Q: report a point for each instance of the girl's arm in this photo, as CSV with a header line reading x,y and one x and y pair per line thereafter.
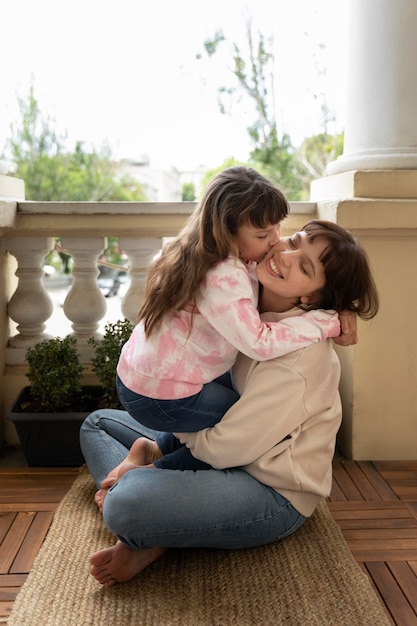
x,y
228,302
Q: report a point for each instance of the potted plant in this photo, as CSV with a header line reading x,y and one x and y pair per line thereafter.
x,y
48,413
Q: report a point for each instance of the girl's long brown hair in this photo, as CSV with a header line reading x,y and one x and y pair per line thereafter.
x,y
349,281
238,195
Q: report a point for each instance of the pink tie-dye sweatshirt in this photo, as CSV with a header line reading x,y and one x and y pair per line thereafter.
x,y
174,362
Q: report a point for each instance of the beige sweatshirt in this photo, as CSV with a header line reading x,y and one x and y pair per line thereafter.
x,y
283,429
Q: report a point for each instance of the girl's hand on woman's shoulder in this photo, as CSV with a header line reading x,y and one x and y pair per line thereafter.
x,y
349,329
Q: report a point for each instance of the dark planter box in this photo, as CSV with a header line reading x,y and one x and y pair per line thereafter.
x,y
51,439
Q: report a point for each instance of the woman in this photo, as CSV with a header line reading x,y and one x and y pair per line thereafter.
x,y
278,439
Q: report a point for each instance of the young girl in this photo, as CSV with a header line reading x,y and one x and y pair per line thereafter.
x,y
200,309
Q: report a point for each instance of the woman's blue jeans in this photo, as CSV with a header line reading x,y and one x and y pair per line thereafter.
x,y
173,508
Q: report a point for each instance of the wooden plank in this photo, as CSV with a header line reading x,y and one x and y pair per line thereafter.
x,y
376,524
394,599
404,465
369,556
409,546
6,520
361,505
336,493
406,580
8,593
371,533
42,471
41,494
360,479
377,593
345,483
5,610
394,474
13,540
412,506
370,514
31,543
380,485
14,507
12,580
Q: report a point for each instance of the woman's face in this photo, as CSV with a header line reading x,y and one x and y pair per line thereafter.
x,y
292,272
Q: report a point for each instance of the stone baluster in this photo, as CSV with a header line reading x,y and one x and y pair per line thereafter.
x,y
30,306
84,305
140,251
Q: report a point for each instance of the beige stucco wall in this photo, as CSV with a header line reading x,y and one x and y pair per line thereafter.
x,y
379,379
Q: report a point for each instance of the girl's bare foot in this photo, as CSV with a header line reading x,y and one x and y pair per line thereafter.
x,y
120,563
99,498
142,454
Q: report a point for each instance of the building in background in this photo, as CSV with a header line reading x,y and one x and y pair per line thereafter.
x,y
161,185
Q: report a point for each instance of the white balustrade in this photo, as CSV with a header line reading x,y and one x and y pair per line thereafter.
x,y
84,305
30,306
140,251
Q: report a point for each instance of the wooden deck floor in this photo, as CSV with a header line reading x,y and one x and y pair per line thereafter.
x,y
375,504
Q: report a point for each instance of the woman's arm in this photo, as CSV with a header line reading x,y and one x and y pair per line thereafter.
x,y
349,329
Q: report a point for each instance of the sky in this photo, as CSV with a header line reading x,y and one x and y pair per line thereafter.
x,y
125,73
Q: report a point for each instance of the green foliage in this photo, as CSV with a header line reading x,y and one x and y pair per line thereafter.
x,y
106,357
52,173
188,192
315,153
210,174
54,373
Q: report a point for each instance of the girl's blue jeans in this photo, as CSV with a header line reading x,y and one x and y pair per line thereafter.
x,y
189,414
173,508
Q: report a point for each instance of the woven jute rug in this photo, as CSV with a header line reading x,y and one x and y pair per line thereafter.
x,y
309,579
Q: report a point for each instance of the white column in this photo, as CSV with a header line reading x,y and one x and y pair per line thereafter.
x,y
381,109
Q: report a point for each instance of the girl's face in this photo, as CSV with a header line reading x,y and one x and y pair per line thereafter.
x,y
292,272
254,243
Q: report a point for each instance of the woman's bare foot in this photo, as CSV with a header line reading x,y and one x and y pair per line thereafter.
x,y
120,564
142,454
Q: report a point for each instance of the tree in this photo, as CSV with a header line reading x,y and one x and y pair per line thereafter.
x,y
316,152
53,173
273,153
188,192
254,80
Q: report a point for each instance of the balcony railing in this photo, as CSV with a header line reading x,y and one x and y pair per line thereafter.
x,y
29,231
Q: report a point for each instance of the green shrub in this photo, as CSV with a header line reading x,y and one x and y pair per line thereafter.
x,y
106,357
54,373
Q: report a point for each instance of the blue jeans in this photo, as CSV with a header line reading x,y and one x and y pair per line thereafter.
x,y
189,414
172,508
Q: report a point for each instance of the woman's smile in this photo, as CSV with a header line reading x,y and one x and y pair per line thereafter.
x,y
273,267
